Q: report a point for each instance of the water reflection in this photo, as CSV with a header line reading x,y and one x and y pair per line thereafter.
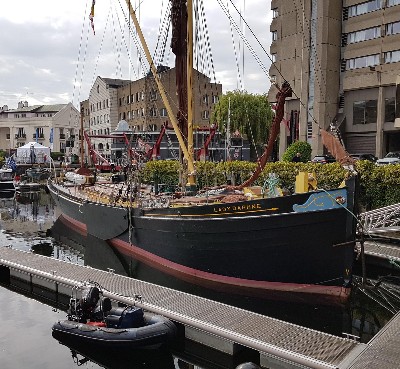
x,y
152,359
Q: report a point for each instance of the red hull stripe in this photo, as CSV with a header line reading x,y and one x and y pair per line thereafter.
x,y
224,282
74,224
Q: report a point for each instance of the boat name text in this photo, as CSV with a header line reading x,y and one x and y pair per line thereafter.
x,y
232,209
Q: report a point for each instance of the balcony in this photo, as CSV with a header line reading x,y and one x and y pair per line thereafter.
x,y
20,136
8,136
40,137
62,136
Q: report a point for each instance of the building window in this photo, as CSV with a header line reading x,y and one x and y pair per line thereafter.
x,y
274,35
272,79
275,13
364,112
364,8
362,62
153,95
163,112
392,56
273,58
153,112
393,2
205,114
390,109
205,99
393,28
364,35
215,99
98,89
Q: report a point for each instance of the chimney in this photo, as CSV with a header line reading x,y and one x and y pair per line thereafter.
x,y
25,104
20,105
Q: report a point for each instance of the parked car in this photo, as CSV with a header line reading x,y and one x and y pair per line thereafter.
x,y
323,159
392,157
369,157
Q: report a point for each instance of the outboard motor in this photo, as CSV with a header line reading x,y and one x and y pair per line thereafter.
x,y
81,310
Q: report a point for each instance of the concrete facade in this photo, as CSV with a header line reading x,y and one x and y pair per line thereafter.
x,y
342,59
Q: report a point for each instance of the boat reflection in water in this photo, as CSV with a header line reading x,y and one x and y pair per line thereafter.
x,y
153,359
357,317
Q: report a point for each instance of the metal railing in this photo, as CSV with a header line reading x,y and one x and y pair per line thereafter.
x,y
382,218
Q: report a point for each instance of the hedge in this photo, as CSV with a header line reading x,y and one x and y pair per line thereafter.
x,y
379,185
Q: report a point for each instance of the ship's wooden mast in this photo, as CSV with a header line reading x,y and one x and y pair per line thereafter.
x,y
163,94
191,178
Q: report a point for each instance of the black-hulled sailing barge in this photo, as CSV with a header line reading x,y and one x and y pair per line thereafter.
x,y
301,243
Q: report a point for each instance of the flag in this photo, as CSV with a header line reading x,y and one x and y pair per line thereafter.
x,y
91,16
10,162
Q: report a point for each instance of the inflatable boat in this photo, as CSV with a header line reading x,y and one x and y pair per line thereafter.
x,y
93,321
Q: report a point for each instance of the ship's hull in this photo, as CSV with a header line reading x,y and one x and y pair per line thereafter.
x,y
250,246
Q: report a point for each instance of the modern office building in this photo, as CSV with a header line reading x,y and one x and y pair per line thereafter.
x,y
342,58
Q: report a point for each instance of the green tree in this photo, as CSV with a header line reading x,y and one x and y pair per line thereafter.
x,y
250,114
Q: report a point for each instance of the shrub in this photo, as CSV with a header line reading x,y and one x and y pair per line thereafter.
x,y
304,148
379,185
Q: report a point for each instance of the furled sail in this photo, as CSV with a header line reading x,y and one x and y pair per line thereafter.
x,y
179,48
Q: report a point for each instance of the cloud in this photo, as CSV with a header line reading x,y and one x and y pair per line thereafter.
x,y
52,54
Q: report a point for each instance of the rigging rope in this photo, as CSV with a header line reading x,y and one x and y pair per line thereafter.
x,y
236,55
255,56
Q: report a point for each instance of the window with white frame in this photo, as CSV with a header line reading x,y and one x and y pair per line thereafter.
x,y
392,56
215,99
364,35
393,28
275,13
393,2
205,114
163,112
362,62
273,57
274,35
364,8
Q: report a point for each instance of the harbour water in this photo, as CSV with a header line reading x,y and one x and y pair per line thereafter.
x,y
30,222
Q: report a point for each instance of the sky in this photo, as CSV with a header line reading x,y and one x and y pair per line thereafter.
x,y
50,54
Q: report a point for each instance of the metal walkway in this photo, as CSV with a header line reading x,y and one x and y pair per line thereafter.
x,y
383,352
382,219
305,348
383,251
